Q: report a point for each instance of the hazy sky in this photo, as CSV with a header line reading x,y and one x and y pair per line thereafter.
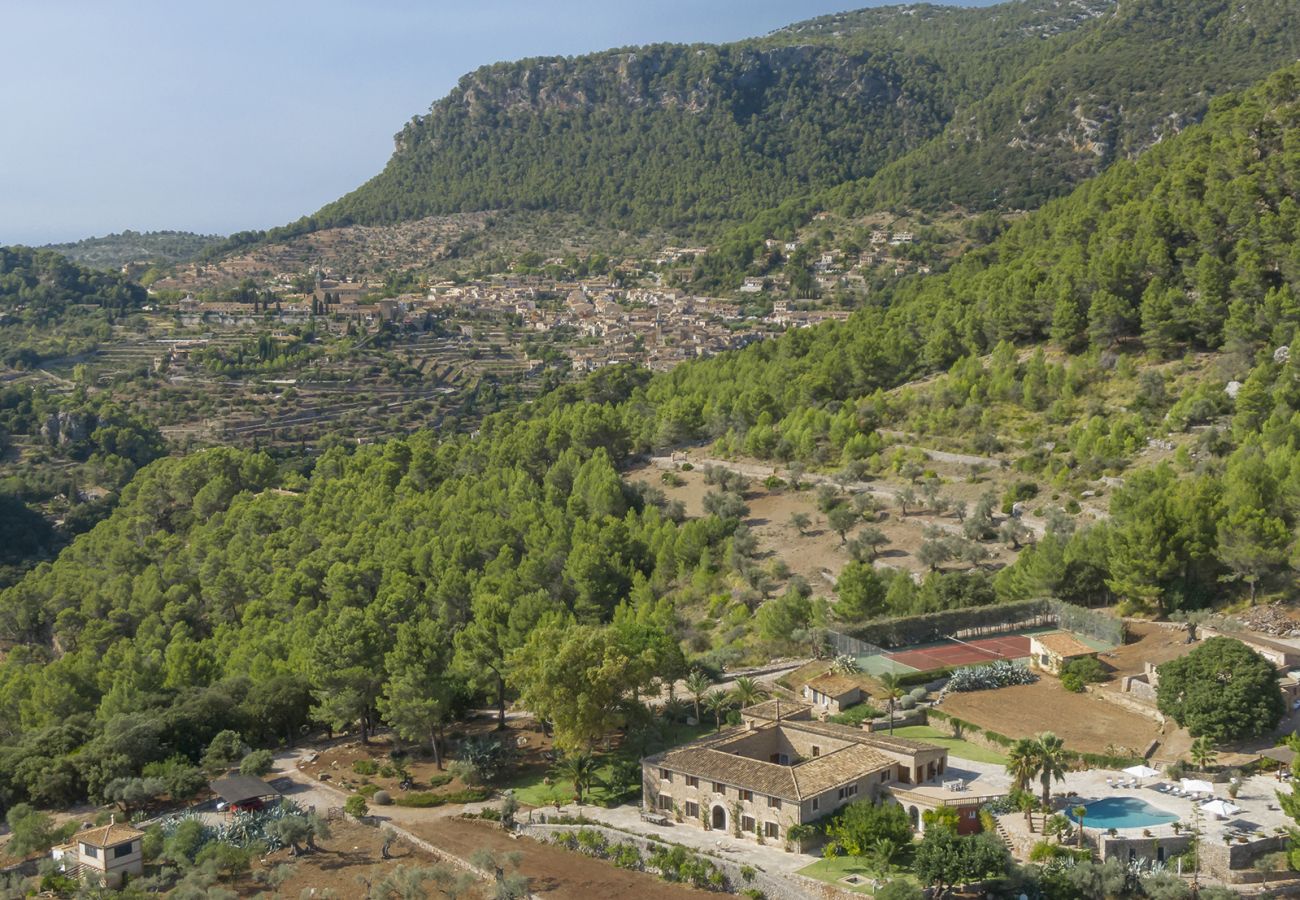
x,y
217,117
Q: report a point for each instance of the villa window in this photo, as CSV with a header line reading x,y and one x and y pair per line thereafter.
x,y
772,830
773,803
747,823
92,852
124,850
719,787
692,809
817,751
665,802
816,804
665,775
746,795
842,794
853,790
692,781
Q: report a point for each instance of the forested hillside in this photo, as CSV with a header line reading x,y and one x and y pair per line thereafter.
x,y
1128,79
115,250
39,288
400,580
678,136
1004,106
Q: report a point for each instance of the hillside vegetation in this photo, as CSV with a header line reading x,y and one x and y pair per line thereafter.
x,y
112,251
405,578
1002,106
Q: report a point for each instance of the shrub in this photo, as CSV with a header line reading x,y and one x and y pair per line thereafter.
x,y
382,798
918,693
907,701
425,799
855,715
998,674
257,763
365,767
1072,682
368,790
356,806
1087,668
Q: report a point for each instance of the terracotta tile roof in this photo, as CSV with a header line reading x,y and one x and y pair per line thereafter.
x,y
768,709
107,835
708,760
830,770
834,685
1063,644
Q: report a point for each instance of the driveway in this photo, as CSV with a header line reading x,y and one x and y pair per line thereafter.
x,y
768,857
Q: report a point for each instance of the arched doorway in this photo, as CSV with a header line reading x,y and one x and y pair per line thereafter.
x,y
915,815
719,819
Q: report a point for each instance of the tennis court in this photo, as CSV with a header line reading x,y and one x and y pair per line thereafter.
x,y
952,652
964,653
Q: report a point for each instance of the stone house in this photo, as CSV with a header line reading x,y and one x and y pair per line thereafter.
x,y
105,855
831,694
1050,652
780,769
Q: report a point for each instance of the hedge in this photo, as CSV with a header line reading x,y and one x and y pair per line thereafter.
x,y
425,799
902,631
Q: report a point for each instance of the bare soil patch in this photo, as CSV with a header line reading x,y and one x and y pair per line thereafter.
x,y
351,851
818,554
1085,721
1148,642
552,872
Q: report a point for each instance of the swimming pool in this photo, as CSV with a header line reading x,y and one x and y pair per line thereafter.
x,y
1123,812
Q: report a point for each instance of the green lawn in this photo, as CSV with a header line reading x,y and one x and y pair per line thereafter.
x,y
956,746
837,867
531,790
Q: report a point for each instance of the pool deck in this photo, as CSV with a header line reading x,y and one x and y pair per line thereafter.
x,y
1255,798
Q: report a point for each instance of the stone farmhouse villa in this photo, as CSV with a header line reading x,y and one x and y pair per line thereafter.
x,y
780,769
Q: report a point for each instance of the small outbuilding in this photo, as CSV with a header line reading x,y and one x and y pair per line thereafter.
x,y
832,694
105,855
1050,652
244,792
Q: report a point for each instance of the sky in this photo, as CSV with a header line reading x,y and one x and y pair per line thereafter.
x,y
220,117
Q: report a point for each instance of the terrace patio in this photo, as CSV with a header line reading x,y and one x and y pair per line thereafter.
x,y
1230,841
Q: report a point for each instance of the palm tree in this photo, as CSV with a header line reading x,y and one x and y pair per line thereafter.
x,y
1022,765
893,690
698,685
673,709
1079,813
577,768
882,854
1026,802
746,691
718,703
1049,760
1203,753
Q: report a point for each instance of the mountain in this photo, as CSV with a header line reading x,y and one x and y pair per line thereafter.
x,y
225,592
1001,106
1193,245
672,134
112,251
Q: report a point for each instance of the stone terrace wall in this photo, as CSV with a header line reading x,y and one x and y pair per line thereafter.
x,y
791,887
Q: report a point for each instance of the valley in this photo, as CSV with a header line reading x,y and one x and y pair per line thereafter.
x,y
856,460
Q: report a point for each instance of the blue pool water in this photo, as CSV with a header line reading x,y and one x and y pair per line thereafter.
x,y
1123,812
